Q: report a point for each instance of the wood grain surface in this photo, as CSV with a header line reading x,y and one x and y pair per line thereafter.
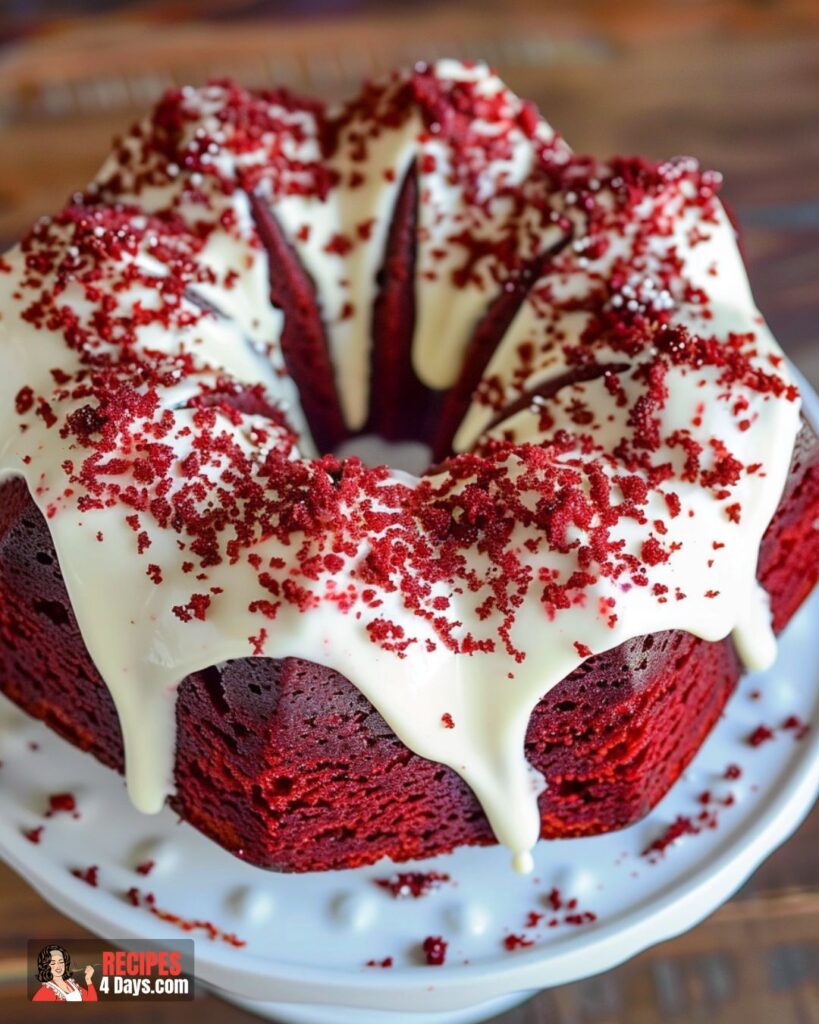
x,y
734,83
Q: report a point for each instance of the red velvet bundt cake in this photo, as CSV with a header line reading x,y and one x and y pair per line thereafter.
x,y
319,662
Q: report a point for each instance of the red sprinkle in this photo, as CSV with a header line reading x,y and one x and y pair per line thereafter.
x,y
412,884
148,902
681,827
24,400
90,875
794,723
586,917
762,734
434,949
61,803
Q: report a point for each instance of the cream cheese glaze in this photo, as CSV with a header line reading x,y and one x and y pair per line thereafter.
x,y
628,499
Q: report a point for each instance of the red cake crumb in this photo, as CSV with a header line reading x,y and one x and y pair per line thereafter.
x,y
412,884
386,962
89,875
762,734
555,901
586,917
62,803
800,729
148,902
682,826
706,818
24,400
434,949
513,942
533,919
145,868
447,720
34,834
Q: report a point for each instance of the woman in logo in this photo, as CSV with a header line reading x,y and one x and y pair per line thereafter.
x,y
54,971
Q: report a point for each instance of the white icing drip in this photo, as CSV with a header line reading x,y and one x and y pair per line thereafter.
x,y
752,635
143,650
523,863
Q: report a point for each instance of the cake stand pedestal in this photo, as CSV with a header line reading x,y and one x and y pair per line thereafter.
x,y
290,1013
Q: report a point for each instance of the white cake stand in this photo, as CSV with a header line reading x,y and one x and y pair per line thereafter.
x,y
309,937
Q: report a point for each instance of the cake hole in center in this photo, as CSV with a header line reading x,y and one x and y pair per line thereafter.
x,y
410,456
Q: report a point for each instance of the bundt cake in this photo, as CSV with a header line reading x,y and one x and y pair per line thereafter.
x,y
320,662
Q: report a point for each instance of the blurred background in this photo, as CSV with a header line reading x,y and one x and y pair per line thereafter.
x,y
733,82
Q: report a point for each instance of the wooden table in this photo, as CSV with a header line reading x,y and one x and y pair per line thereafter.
x,y
735,83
